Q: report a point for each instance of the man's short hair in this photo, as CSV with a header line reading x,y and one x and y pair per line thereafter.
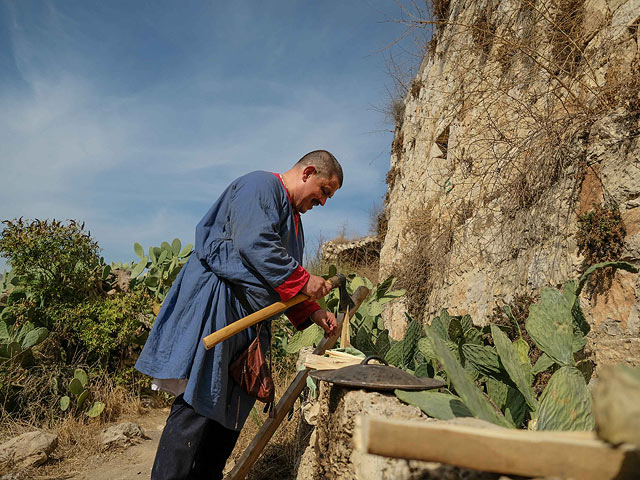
x,y
325,163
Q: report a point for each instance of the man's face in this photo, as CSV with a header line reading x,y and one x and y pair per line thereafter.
x,y
315,191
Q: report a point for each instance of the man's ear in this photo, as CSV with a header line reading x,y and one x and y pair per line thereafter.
x,y
307,172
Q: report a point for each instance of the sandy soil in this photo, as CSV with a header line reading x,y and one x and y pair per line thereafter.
x,y
131,463
135,462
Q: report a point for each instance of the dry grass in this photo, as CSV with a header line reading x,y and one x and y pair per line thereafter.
x,y
278,459
427,258
78,435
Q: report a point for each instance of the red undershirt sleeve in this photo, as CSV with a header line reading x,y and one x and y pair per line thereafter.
x,y
299,314
293,284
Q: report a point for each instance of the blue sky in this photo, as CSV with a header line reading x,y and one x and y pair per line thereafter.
x,y
133,116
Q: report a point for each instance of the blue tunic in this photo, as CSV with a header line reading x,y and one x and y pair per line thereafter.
x,y
246,245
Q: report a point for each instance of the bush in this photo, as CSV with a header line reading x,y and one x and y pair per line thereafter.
x,y
109,332
57,261
600,235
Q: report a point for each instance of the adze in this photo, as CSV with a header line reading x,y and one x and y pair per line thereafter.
x,y
230,330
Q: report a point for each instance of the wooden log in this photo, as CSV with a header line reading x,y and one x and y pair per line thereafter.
x,y
268,428
568,455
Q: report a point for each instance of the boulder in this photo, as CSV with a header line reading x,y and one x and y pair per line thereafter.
x,y
28,450
330,453
122,435
616,404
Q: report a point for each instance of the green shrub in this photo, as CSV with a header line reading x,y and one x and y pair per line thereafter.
x,y
109,331
57,261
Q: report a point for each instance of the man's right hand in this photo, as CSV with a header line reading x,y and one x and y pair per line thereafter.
x,y
317,287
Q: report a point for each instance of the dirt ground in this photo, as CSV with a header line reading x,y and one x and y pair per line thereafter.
x,y
135,462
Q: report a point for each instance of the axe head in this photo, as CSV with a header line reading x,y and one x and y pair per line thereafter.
x,y
345,298
339,281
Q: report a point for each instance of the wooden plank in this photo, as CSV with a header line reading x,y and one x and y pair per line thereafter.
x,y
345,340
268,428
576,455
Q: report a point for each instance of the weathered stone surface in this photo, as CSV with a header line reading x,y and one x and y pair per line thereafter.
x,y
616,404
615,312
122,435
307,464
363,251
331,454
614,351
462,151
28,450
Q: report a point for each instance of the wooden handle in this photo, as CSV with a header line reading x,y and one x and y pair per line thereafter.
x,y
221,335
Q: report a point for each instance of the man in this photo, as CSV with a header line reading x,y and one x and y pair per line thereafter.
x,y
248,254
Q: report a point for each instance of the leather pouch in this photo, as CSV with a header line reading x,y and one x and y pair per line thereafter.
x,y
251,371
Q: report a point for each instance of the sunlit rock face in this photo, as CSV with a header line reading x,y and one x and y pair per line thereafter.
x,y
524,117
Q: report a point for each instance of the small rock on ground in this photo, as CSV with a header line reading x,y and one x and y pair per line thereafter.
x,y
122,435
29,449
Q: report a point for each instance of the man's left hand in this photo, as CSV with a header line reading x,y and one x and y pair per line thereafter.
x,y
326,320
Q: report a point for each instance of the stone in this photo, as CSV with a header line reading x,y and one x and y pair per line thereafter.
x,y
631,219
614,351
334,455
122,435
616,404
476,178
307,465
28,450
363,251
612,311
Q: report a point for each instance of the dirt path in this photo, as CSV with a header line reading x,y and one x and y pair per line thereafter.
x,y
133,463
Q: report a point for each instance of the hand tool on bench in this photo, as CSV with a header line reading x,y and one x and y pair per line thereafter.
x,y
253,451
337,281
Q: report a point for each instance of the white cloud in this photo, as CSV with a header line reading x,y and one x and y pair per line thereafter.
x,y
145,164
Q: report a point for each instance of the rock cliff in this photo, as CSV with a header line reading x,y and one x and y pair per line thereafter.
x,y
516,163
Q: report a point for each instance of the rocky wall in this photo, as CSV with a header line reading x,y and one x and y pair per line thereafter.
x,y
524,117
330,452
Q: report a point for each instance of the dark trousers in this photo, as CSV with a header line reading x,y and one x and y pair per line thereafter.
x,y
192,447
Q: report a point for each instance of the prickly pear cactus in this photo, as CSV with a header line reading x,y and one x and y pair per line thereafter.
x,y
465,386
162,264
550,325
426,349
394,355
484,359
410,342
565,403
519,373
305,338
442,406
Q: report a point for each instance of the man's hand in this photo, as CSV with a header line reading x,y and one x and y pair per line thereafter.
x,y
316,287
326,320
